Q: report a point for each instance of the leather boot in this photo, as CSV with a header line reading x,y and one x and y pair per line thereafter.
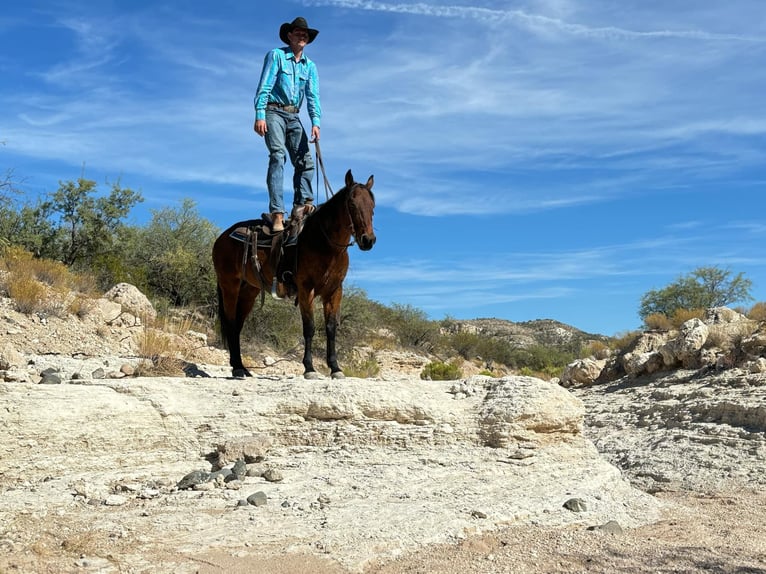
x,y
277,222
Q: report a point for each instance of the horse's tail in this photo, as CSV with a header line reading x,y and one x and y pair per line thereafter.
x,y
223,323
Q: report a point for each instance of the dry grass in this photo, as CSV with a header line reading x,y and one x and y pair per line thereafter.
x,y
166,349
41,285
658,322
681,316
757,312
596,349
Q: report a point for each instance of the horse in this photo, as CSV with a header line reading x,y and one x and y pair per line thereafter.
x,y
321,256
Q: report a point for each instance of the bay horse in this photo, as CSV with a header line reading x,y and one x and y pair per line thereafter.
x,y
322,263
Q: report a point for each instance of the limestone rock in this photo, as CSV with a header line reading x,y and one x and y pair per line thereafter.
x,y
582,372
132,301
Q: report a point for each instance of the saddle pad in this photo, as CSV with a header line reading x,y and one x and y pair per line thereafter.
x,y
244,232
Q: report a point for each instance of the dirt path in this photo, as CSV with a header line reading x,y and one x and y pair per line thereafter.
x,y
722,533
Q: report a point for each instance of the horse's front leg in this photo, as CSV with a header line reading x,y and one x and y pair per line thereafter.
x,y
331,315
306,304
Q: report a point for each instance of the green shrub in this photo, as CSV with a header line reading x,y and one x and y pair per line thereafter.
x,y
364,368
438,371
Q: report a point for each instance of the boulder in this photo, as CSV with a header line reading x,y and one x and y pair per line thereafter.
x,y
132,301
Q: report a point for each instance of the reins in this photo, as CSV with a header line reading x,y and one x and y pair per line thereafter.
x,y
327,188
328,194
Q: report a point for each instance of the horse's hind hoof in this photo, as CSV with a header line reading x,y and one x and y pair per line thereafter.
x,y
312,375
338,375
240,373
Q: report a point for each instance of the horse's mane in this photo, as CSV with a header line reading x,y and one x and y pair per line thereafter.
x,y
341,194
338,196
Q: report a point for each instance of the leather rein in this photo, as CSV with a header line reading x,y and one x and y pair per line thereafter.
x,y
328,194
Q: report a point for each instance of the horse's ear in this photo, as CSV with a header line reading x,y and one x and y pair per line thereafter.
x,y
349,179
370,183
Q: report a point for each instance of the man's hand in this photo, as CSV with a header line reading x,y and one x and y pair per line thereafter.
x,y
260,127
314,133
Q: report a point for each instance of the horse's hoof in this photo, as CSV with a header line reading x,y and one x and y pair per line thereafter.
x,y
240,373
338,375
312,375
277,290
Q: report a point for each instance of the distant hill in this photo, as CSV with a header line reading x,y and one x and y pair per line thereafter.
x,y
545,332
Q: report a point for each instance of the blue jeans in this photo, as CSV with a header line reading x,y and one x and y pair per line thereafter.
x,y
285,136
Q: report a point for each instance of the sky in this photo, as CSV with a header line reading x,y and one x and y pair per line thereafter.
x,y
533,159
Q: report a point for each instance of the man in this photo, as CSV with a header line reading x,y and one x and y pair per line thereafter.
x,y
288,77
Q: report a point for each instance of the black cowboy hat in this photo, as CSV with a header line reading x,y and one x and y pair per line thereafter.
x,y
299,22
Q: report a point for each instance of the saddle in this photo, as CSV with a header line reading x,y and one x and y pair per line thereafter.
x,y
259,234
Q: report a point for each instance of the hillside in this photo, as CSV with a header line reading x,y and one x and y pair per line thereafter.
x,y
545,332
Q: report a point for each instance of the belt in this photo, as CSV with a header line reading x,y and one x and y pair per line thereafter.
x,y
284,108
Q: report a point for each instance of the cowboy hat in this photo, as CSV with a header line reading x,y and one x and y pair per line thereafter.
x,y
299,22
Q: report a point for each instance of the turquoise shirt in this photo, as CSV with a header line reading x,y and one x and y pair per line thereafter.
x,y
287,82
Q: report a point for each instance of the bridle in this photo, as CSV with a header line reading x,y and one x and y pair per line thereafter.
x,y
328,194
342,246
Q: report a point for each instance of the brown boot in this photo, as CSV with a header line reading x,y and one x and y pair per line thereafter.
x,y
277,222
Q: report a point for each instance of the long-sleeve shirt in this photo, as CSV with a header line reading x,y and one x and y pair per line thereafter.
x,y
285,81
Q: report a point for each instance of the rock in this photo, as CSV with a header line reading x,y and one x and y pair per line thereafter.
x,y
115,500
272,475
132,301
257,499
576,505
611,527
239,469
194,478
545,408
582,372
50,377
249,449
10,358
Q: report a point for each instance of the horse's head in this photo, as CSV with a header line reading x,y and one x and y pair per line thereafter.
x,y
361,205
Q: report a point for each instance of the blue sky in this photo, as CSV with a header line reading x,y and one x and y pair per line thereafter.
x,y
533,159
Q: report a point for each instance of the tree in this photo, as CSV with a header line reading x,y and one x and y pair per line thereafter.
x,y
84,227
702,288
174,252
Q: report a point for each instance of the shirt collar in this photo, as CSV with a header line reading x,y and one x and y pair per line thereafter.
x,y
290,56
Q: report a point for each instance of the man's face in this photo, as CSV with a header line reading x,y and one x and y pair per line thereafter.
x,y
299,35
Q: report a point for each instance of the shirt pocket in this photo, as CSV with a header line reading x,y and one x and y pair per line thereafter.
x,y
302,77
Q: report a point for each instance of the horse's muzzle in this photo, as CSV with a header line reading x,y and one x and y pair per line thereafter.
x,y
366,242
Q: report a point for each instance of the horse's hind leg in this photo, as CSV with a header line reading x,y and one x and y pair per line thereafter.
x,y
245,303
235,303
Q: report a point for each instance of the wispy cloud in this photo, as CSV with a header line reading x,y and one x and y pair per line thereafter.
x,y
531,21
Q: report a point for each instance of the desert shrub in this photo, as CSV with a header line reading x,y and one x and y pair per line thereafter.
x,y
658,322
757,312
465,344
28,294
412,327
597,349
362,368
681,316
624,340
162,352
439,371
541,359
